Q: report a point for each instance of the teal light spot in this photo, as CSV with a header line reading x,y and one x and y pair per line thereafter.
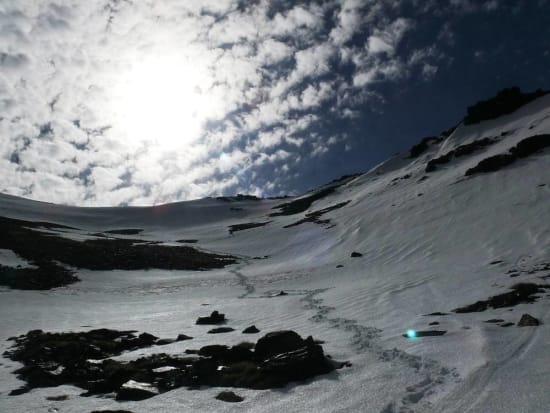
x,y
411,333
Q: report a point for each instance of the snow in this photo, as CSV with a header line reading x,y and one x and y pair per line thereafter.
x,y
421,254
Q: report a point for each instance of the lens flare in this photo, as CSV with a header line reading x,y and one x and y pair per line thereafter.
x,y
411,334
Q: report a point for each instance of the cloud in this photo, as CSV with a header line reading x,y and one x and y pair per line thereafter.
x,y
244,87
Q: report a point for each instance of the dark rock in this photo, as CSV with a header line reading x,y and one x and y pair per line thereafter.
x,y
214,318
339,266
133,390
434,323
491,164
82,359
281,294
182,337
278,342
507,324
423,145
229,396
251,330
49,253
437,313
459,151
530,145
315,216
528,320
494,320
495,262
355,254
506,101
130,231
219,330
524,148
302,203
521,293
427,333
249,225
59,398
111,411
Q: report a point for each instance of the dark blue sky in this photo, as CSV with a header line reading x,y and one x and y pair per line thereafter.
x,y
487,52
119,102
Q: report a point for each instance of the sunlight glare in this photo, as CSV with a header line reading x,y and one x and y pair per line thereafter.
x,y
163,100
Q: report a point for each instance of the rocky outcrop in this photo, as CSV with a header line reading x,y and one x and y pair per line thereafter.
x,y
214,318
523,149
82,360
528,320
229,396
506,101
521,293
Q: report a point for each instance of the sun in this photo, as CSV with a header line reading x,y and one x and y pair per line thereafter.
x,y
163,100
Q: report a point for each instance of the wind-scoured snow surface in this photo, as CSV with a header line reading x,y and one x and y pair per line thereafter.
x,y
428,245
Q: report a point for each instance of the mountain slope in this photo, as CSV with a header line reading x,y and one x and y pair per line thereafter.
x,y
430,242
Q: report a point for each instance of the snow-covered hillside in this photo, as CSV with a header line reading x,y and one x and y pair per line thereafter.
x,y
427,242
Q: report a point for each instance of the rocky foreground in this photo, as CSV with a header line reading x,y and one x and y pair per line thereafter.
x,y
83,359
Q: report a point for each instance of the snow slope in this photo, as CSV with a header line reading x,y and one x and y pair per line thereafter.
x,y
428,245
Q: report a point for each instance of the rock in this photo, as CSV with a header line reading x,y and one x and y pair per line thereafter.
x,y
133,390
60,398
281,294
112,411
426,333
251,330
355,254
507,324
214,318
84,360
528,320
220,330
339,266
494,320
277,342
182,337
437,313
521,293
434,323
491,164
229,396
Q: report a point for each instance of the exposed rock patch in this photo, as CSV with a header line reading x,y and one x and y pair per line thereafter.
x,y
248,225
356,254
46,251
523,149
458,152
220,330
521,293
229,396
129,231
506,101
214,318
251,330
528,320
315,216
81,359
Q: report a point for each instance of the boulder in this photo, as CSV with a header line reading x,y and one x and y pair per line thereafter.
x,y
528,320
214,318
219,330
278,342
251,330
356,254
133,390
229,396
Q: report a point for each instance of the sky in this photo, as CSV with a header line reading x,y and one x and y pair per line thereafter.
x,y
123,102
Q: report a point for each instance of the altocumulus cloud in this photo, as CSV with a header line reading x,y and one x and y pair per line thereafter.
x,y
140,102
